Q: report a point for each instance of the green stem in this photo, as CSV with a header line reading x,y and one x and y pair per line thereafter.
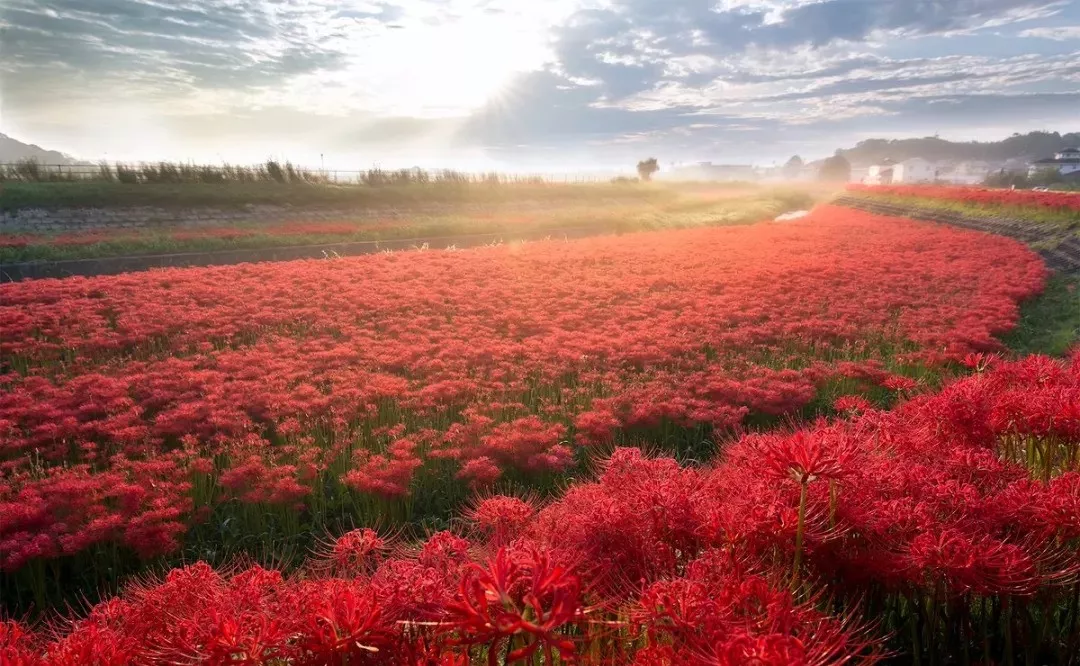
x,y
832,503
916,644
799,537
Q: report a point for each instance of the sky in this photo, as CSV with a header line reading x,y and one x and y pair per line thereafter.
x,y
528,85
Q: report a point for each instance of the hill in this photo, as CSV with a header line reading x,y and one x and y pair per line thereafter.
x,y
12,150
1030,146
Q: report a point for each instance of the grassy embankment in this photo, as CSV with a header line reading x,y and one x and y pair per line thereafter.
x,y
383,213
1059,223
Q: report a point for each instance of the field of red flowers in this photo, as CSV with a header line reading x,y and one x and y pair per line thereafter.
x,y
1067,202
248,411
228,408
944,531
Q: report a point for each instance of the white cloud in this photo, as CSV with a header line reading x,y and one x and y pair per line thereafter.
x,y
1057,33
445,77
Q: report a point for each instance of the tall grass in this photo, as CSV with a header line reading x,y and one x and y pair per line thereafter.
x,y
271,171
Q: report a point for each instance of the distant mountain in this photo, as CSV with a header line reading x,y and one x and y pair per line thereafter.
x,y
1024,147
13,151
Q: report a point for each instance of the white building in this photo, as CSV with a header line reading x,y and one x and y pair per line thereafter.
x,y
1066,162
879,174
914,170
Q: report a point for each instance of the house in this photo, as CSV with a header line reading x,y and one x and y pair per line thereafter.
x,y
914,170
1066,162
880,174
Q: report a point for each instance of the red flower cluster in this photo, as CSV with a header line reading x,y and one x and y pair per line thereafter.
x,y
980,196
449,601
388,373
943,512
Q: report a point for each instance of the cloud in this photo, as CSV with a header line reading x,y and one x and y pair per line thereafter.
x,y
201,43
594,80
1057,33
631,44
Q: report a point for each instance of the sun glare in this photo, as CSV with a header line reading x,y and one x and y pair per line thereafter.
x,y
423,70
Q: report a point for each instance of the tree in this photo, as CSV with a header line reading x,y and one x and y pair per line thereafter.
x,y
835,168
646,168
793,167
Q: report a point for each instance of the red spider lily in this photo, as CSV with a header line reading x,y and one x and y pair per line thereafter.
x,y
479,472
503,517
342,623
806,457
977,195
965,565
141,401
356,551
518,595
852,404
248,641
18,646
444,549
214,358
91,643
978,361
899,383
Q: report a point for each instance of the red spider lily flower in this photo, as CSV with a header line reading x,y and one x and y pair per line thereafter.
x,y
480,472
983,566
90,643
444,549
342,623
249,641
18,646
501,517
520,595
899,383
357,551
978,361
852,404
806,457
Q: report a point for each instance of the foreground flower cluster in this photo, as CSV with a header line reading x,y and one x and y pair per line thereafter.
x,y
980,196
274,399
947,529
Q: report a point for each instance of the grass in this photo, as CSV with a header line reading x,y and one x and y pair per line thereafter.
x,y
661,208
1049,324
103,194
